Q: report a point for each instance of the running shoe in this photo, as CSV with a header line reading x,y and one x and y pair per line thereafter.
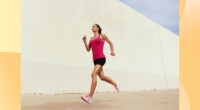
x,y
87,99
117,87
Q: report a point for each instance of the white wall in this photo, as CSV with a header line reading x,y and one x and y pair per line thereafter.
x,y
54,58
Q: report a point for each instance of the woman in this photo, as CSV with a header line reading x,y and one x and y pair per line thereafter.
x,y
97,44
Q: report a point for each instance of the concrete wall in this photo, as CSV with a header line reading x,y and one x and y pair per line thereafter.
x,y
54,58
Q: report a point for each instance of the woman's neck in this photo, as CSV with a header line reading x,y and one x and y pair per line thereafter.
x,y
96,34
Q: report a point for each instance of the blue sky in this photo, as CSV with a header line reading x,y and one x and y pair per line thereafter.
x,y
164,12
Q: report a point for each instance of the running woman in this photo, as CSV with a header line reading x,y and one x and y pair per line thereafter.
x,y
96,43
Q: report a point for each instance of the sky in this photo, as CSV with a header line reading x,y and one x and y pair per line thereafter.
x,y
164,12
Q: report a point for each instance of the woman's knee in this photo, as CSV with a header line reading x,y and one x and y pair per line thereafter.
x,y
102,77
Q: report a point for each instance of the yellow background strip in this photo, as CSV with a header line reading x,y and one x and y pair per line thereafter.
x,y
10,25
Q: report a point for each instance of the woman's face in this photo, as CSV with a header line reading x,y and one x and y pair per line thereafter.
x,y
94,28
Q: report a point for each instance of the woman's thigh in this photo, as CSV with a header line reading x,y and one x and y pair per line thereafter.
x,y
97,69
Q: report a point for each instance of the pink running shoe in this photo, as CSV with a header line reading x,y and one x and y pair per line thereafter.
x,y
117,87
87,99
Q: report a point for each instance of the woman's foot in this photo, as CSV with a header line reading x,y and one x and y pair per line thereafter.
x,y
87,99
116,87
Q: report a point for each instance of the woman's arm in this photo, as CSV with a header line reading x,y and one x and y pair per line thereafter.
x,y
85,43
110,43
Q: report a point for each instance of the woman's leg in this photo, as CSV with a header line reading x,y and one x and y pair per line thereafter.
x,y
95,72
106,78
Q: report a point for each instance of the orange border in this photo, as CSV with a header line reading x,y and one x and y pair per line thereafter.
x,y
10,55
189,54
9,81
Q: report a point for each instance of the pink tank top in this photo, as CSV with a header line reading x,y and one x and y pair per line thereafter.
x,y
97,45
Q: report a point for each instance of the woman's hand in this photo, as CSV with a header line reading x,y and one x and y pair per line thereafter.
x,y
112,53
84,38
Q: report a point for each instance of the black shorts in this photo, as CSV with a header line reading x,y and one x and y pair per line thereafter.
x,y
100,61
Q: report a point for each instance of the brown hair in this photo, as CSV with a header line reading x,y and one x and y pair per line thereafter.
x,y
98,26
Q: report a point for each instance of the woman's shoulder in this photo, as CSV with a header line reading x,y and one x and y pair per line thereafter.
x,y
103,36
